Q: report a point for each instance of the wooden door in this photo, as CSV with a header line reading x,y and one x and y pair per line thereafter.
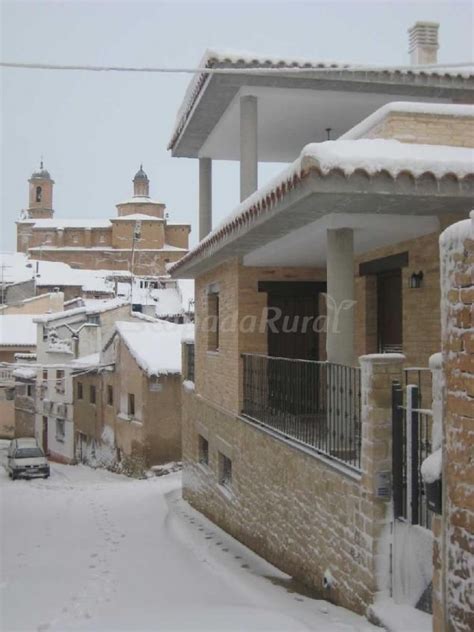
x,y
389,311
45,435
293,335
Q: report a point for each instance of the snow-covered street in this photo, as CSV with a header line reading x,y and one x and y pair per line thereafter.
x,y
91,550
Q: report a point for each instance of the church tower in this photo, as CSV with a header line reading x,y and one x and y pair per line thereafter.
x,y
41,195
141,184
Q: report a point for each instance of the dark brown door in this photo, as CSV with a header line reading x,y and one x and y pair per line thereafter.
x,y
292,335
45,435
390,312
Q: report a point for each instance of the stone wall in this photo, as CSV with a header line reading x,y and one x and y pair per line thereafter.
x,y
454,550
301,511
7,413
147,262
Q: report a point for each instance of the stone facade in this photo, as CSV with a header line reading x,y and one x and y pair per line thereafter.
x,y
107,244
25,398
310,518
41,304
454,530
108,434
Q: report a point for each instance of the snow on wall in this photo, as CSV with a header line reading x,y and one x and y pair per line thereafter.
x,y
453,586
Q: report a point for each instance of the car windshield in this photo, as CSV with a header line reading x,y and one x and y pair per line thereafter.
x,y
28,453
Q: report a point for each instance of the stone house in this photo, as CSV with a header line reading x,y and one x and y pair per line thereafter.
x,y
140,237
17,346
62,338
315,298
133,422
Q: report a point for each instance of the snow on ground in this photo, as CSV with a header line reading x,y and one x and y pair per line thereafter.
x,y
92,550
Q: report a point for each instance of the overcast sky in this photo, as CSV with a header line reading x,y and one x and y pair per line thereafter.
x,y
94,129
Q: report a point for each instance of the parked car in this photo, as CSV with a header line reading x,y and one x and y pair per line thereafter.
x,y
26,459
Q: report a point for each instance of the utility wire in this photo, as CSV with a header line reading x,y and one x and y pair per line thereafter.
x,y
261,70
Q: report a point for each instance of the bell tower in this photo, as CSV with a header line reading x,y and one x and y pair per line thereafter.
x,y
141,184
41,194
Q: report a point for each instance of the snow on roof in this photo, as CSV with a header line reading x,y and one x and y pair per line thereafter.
x,y
85,362
168,302
97,307
140,199
377,154
257,61
17,330
24,373
69,223
186,289
17,268
137,216
407,107
156,347
371,156
14,268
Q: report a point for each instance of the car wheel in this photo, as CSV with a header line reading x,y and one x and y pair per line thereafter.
x,y
46,476
13,476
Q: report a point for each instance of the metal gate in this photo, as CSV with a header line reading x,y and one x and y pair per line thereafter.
x,y
412,537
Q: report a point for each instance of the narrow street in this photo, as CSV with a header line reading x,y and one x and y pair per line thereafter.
x,y
90,550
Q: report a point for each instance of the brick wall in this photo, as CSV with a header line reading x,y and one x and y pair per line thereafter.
x,y
421,305
454,531
427,129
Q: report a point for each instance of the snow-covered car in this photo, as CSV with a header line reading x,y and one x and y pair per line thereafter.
x,y
26,460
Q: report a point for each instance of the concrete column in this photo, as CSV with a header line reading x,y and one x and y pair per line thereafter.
x,y
340,296
205,197
248,146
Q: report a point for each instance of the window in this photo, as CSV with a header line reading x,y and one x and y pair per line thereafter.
x,y
9,394
38,194
60,429
131,404
29,390
203,450
92,394
59,381
213,318
80,391
110,395
45,375
225,471
189,359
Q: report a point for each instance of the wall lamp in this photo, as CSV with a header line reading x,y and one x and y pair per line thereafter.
x,y
416,280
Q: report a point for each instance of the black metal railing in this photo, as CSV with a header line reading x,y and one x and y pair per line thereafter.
x,y
314,403
411,445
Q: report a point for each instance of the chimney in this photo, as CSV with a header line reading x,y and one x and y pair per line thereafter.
x,y
423,43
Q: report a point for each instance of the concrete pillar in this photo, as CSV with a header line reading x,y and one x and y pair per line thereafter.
x,y
340,296
205,197
248,146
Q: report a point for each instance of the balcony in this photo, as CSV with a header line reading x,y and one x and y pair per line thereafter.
x,y
6,377
316,404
